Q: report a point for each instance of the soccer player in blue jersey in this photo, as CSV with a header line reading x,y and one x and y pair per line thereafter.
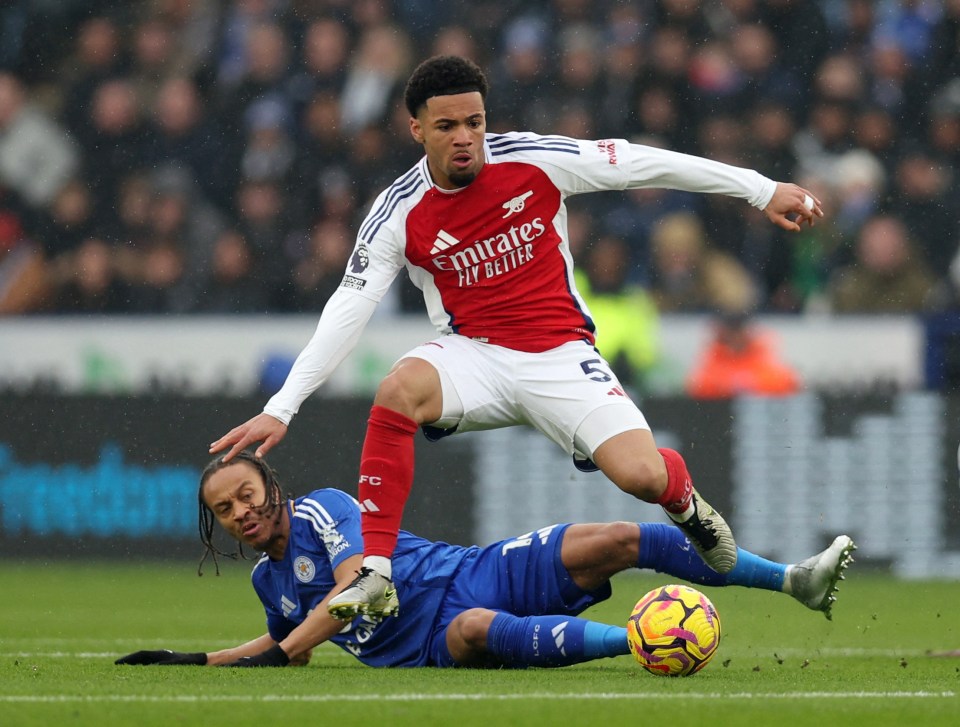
x,y
512,604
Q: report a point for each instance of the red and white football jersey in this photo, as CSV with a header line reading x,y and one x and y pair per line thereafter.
x,y
493,258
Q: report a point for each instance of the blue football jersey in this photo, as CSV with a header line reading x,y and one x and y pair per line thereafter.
x,y
325,531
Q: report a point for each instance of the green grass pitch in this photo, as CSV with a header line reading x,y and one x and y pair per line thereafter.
x,y
63,622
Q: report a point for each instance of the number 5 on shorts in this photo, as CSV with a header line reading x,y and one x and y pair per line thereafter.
x,y
591,367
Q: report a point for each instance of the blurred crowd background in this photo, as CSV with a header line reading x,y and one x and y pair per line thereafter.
x,y
215,156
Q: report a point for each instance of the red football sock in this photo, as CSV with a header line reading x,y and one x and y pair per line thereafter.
x,y
676,498
386,476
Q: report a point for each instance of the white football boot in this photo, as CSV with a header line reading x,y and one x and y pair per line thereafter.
x,y
813,581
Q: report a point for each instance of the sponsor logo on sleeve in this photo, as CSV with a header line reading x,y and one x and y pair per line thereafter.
x,y
352,282
334,541
608,147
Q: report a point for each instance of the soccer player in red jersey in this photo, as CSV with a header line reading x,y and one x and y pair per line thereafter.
x,y
480,225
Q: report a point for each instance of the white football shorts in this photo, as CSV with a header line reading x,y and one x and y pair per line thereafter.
x,y
569,393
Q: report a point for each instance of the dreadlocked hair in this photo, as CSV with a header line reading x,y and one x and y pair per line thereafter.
x,y
206,520
443,76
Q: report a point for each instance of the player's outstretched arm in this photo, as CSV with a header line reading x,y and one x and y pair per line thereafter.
x,y
163,657
259,645
317,627
166,657
792,205
263,428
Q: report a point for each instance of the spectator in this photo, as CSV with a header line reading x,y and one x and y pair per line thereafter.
x,y
624,314
86,281
658,115
153,58
320,272
456,40
70,220
859,185
825,138
580,63
878,133
237,38
800,29
689,275
269,151
923,201
623,59
375,76
262,221
234,284
852,27
740,359
194,29
97,57
944,59
895,83
114,141
521,73
23,274
171,252
163,286
181,133
887,275
266,72
323,61
771,130
129,226
813,254
944,124
37,157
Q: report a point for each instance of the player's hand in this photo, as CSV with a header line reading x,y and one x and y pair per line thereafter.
x,y
262,428
163,657
787,207
274,656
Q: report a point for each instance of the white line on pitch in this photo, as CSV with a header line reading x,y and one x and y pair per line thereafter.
x,y
421,697
811,653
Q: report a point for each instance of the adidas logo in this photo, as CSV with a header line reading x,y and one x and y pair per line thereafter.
x,y
444,241
368,506
557,632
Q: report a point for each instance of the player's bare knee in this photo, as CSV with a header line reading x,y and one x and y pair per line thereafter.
x,y
621,542
623,535
473,625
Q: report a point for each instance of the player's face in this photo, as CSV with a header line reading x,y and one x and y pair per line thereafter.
x,y
237,496
451,129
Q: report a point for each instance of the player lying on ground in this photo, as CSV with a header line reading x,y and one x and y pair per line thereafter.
x,y
480,224
511,604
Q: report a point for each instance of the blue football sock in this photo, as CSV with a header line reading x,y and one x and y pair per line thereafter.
x,y
665,549
520,642
604,640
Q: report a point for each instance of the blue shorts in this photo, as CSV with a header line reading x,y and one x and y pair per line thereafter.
x,y
523,576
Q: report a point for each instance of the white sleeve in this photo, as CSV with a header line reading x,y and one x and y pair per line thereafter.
x,y
342,322
652,167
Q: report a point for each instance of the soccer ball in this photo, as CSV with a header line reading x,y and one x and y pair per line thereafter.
x,y
673,631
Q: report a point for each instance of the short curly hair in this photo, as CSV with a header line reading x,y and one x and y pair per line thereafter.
x,y
443,76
